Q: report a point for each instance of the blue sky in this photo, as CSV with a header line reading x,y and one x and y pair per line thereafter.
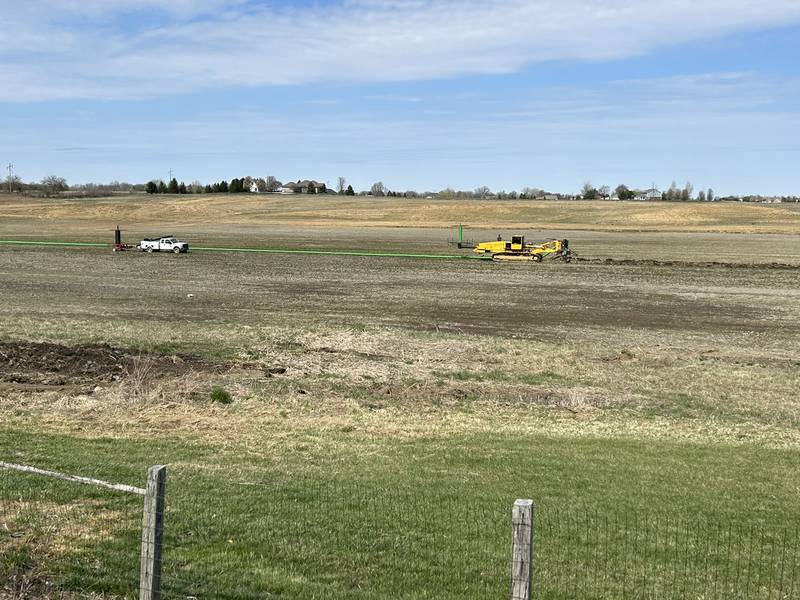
x,y
420,94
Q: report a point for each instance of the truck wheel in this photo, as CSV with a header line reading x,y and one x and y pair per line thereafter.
x,y
176,250
150,249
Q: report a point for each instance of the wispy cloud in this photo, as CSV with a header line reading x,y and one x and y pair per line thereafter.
x,y
736,132
115,49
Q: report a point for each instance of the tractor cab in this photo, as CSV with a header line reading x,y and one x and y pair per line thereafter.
x,y
517,243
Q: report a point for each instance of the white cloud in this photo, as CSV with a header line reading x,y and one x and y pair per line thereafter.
x,y
55,49
735,132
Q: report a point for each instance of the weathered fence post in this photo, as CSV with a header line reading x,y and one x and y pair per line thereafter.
x,y
152,534
522,549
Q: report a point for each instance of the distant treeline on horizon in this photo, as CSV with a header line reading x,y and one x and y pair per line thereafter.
x,y
54,186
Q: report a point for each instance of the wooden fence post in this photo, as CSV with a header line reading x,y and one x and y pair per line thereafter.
x,y
522,549
152,534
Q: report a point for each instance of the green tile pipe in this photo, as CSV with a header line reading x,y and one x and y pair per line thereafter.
x,y
260,250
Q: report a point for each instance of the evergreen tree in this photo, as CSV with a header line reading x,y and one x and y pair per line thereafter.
x,y
173,186
350,191
208,189
223,187
623,193
151,187
311,189
162,187
182,188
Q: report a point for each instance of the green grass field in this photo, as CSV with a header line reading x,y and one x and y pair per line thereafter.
x,y
386,413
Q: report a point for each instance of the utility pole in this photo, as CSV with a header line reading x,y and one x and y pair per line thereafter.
x,y
10,168
170,174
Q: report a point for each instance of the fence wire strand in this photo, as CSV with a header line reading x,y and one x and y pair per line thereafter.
x,y
332,539
62,540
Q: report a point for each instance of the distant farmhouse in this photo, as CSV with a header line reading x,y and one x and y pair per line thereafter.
x,y
304,187
652,194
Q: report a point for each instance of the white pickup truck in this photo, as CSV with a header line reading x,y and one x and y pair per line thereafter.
x,y
166,243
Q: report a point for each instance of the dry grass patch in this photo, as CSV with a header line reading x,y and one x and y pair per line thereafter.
x,y
250,210
35,534
386,382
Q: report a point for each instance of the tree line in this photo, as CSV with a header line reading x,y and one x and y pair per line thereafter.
x,y
623,192
54,185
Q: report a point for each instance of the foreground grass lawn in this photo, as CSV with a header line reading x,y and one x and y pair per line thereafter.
x,y
343,516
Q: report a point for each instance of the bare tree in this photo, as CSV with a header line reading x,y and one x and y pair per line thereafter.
x,y
532,192
686,193
482,192
196,187
672,192
378,189
341,185
272,184
604,191
701,196
54,184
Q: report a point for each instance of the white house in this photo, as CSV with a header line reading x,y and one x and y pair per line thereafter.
x,y
302,187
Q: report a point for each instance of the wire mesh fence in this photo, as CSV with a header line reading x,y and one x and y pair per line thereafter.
x,y
62,540
285,536
301,539
588,553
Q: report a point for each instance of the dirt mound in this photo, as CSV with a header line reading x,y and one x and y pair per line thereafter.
x,y
42,366
681,263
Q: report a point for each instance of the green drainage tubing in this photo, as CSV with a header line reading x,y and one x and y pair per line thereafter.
x,y
263,250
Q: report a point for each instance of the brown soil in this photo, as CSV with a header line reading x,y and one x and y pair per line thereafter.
x,y
680,263
30,366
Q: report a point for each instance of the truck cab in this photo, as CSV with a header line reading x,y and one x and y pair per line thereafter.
x,y
167,243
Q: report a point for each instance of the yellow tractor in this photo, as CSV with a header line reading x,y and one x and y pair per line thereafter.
x,y
518,250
